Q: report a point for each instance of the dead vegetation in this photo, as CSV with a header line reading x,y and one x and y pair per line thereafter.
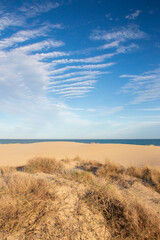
x,y
125,218
25,202
45,201
148,175
45,165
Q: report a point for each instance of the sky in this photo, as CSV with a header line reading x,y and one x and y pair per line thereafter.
x,y
77,69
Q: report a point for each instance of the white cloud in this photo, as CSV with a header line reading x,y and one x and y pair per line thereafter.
x,y
22,76
108,16
131,32
75,79
151,109
146,86
88,67
95,59
133,15
85,83
38,8
53,54
46,44
106,111
68,75
22,36
8,20
33,89
125,49
110,45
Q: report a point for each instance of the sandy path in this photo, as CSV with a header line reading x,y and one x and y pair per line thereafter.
x,y
18,154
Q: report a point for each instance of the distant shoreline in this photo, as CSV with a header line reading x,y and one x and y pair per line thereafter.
x,y
155,142
123,154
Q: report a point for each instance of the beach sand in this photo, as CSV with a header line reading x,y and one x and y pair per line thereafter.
x,y
78,199
126,155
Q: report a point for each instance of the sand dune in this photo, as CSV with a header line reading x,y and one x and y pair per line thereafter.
x,y
127,155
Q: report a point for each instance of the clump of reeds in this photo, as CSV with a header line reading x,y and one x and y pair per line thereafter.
x,y
90,166
6,170
25,202
148,175
126,219
109,170
81,177
45,165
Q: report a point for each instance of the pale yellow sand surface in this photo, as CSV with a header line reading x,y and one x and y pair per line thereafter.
x,y
126,155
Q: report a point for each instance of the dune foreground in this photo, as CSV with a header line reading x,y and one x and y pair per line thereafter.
x,y
78,194
126,155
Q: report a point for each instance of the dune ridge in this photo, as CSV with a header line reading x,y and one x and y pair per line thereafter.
x,y
126,155
75,199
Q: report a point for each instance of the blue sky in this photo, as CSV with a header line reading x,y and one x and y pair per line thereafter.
x,y
80,69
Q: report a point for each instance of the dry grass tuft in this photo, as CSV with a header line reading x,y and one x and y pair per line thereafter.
x,y
90,166
81,177
149,176
20,184
66,205
7,170
45,165
25,202
109,170
126,219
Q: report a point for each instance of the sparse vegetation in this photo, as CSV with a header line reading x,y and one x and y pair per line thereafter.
x,y
6,170
86,202
25,202
148,175
126,219
45,165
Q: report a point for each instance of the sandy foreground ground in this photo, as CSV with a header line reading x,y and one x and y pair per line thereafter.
x,y
126,155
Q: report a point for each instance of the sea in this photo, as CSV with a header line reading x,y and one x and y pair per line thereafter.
x,y
155,142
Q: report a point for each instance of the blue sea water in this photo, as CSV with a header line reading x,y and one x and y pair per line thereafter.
x,y
121,141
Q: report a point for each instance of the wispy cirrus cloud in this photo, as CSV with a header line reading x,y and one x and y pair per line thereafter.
x,y
109,16
22,36
130,32
118,38
127,48
133,15
68,86
109,45
95,59
75,79
46,44
32,10
10,20
54,54
83,67
79,73
152,109
145,87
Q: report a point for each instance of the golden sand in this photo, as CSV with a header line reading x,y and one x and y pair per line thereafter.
x,y
127,155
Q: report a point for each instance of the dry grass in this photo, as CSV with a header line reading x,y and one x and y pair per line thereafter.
x,y
110,170
45,165
150,176
6,170
90,166
80,176
125,218
25,202
39,208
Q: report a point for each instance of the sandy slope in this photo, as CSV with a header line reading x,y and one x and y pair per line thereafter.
x,y
69,216
18,154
